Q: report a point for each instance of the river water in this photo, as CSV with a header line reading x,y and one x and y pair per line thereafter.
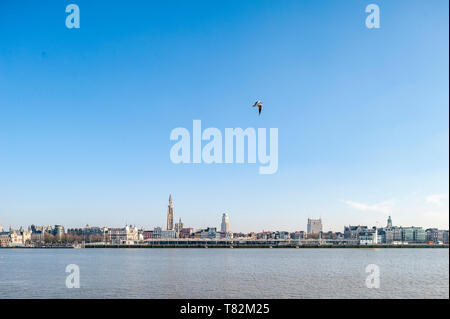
x,y
225,273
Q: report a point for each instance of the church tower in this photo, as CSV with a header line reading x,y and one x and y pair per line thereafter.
x,y
389,222
170,224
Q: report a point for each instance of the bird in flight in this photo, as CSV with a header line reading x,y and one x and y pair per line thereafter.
x,y
259,105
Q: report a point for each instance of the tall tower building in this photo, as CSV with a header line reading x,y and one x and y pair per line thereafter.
x,y
225,227
314,226
170,225
389,222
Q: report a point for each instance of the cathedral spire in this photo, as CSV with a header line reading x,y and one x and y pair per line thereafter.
x,y
170,219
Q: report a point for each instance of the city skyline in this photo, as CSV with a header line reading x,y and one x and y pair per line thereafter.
x,y
234,158
313,226
362,114
359,235
293,225
362,235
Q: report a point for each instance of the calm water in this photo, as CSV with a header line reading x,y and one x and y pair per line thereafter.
x,y
224,273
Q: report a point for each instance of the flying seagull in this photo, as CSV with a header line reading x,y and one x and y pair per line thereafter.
x,y
259,105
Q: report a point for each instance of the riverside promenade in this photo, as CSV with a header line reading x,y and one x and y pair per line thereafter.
x,y
228,243
254,243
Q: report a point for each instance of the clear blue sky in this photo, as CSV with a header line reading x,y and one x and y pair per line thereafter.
x,y
86,114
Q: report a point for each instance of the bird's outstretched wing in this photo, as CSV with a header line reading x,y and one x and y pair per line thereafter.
x,y
259,105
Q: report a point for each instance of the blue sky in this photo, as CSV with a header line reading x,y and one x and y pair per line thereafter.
x,y
86,114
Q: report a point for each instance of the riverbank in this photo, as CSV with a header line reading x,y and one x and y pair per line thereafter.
x,y
236,246
264,246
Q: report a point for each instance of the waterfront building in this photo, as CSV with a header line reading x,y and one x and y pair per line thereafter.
x,y
339,236
240,235
178,227
4,238
88,233
366,240
381,235
419,235
225,226
208,233
34,228
407,234
58,231
282,235
329,235
212,233
263,235
160,233
25,234
75,231
389,222
141,234
186,233
352,232
38,236
393,235
436,236
297,235
168,233
201,233
369,237
127,235
432,235
157,232
170,220
398,234
15,237
440,236
314,226
147,234
228,235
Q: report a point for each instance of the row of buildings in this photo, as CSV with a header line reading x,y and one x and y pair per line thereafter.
x,y
361,235
395,234
32,234
130,234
